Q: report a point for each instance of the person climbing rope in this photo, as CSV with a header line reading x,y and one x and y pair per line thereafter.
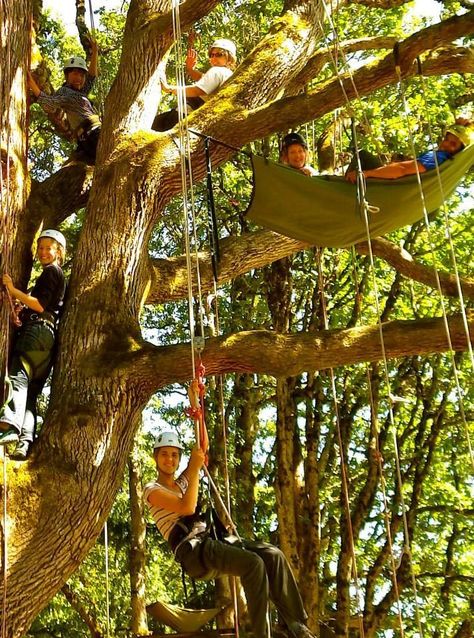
x,y
72,99
263,569
222,58
294,152
456,137
33,344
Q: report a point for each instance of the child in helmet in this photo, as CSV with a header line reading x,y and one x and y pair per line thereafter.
x,y
72,99
294,152
263,569
33,344
222,59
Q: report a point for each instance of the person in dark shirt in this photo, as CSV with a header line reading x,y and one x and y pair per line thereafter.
x,y
33,344
456,137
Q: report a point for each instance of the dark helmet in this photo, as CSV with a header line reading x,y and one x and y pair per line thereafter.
x,y
293,138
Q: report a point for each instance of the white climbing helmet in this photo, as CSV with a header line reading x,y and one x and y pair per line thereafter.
x,y
75,62
54,234
227,45
167,439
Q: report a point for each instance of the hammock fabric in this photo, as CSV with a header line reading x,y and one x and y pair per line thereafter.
x,y
323,210
179,618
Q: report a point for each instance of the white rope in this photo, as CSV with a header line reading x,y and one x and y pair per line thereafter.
x,y
365,205
345,487
361,193
437,278
361,186
186,171
107,587
5,543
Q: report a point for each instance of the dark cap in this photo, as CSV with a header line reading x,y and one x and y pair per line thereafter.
x,y
293,138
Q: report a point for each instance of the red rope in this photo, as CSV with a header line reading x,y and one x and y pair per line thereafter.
x,y
196,411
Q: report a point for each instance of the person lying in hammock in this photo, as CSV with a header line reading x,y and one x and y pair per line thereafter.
x,y
72,98
294,152
456,137
263,569
222,59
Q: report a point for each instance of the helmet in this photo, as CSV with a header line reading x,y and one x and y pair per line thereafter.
x,y
293,138
227,45
54,234
463,133
75,62
166,439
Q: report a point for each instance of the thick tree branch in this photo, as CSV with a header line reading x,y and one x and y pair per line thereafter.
x,y
266,352
404,263
238,256
61,195
254,250
292,111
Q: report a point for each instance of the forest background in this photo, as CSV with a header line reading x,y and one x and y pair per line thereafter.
x,y
286,434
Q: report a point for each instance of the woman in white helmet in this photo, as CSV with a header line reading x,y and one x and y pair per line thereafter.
x,y
33,344
72,99
262,568
222,60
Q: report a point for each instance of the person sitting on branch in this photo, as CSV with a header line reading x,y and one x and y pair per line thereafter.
x,y
33,344
263,568
294,152
222,59
72,99
456,137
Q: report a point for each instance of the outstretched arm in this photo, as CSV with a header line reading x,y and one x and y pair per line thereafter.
x,y
394,170
94,61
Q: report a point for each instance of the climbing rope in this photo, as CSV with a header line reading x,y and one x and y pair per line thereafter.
x,y
385,509
407,548
5,543
344,479
433,254
107,588
186,186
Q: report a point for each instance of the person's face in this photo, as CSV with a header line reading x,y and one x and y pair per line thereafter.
x,y
47,251
76,78
218,57
451,144
296,155
167,459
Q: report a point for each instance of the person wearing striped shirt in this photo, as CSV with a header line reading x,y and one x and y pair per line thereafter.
x,y
73,99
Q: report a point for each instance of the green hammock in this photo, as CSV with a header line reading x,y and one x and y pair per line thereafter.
x,y
323,210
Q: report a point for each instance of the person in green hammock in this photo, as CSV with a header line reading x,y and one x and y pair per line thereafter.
x,y
294,152
456,137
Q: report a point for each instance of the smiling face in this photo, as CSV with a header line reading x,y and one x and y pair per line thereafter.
x,y
167,459
296,156
218,57
47,251
451,144
76,78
